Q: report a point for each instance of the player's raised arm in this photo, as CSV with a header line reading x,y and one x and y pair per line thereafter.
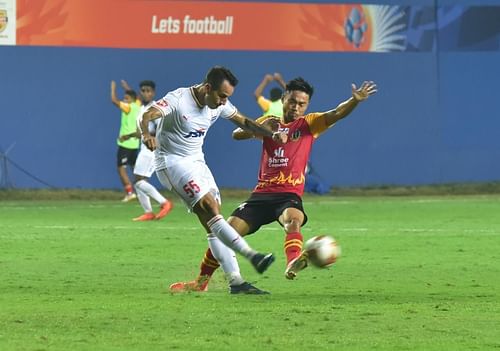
x,y
114,99
260,88
151,114
345,108
255,129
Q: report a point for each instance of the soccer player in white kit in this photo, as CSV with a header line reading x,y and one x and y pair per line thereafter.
x,y
144,164
186,115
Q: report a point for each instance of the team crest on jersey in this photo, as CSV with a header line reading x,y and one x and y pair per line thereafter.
x,y
3,20
295,135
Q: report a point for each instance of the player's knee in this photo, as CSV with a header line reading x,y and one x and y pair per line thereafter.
x,y
292,225
207,208
138,182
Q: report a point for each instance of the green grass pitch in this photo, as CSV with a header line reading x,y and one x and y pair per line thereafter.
x,y
417,273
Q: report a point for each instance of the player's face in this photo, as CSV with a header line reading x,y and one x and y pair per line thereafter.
x,y
128,99
147,94
215,98
295,104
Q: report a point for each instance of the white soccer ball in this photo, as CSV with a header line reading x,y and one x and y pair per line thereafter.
x,y
322,251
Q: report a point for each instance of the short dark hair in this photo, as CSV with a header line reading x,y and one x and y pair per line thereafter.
x,y
218,74
300,84
275,94
148,83
131,93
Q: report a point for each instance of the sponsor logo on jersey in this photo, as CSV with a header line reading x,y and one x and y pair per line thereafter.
x,y
195,134
279,152
284,130
279,159
3,20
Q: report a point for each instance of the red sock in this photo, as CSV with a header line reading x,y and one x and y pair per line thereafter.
x,y
293,246
209,264
129,189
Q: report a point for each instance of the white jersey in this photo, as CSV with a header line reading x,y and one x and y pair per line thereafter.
x,y
184,126
144,164
153,125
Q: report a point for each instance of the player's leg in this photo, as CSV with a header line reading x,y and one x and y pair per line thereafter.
x,y
122,158
215,256
139,184
194,183
144,168
292,219
219,255
208,212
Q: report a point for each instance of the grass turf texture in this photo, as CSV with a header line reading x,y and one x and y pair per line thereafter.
x,y
417,273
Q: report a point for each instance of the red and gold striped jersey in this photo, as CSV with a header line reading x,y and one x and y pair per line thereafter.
x,y
283,166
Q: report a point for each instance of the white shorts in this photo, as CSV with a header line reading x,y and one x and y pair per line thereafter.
x,y
145,165
191,180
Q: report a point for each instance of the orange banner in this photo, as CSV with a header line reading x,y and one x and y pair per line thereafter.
x,y
210,25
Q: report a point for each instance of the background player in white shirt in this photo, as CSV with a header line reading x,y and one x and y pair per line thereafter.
x,y
144,165
186,115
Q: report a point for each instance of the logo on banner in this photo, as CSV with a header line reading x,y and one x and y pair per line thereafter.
x,y
355,27
3,20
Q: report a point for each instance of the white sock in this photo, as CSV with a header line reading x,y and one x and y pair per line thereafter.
x,y
143,198
226,258
150,191
230,237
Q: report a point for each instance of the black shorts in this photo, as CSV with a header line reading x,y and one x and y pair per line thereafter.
x,y
126,156
265,208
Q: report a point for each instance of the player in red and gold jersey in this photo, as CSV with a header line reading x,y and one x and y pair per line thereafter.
x,y
280,186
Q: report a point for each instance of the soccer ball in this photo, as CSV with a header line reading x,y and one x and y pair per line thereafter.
x,y
322,251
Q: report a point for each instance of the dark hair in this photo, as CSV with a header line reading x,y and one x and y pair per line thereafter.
x,y
131,93
275,94
300,84
148,83
217,75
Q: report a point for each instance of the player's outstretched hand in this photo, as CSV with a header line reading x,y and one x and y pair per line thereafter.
x,y
272,123
277,76
280,137
366,89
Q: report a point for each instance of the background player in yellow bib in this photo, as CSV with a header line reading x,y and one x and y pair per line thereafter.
x,y
273,105
144,165
127,149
